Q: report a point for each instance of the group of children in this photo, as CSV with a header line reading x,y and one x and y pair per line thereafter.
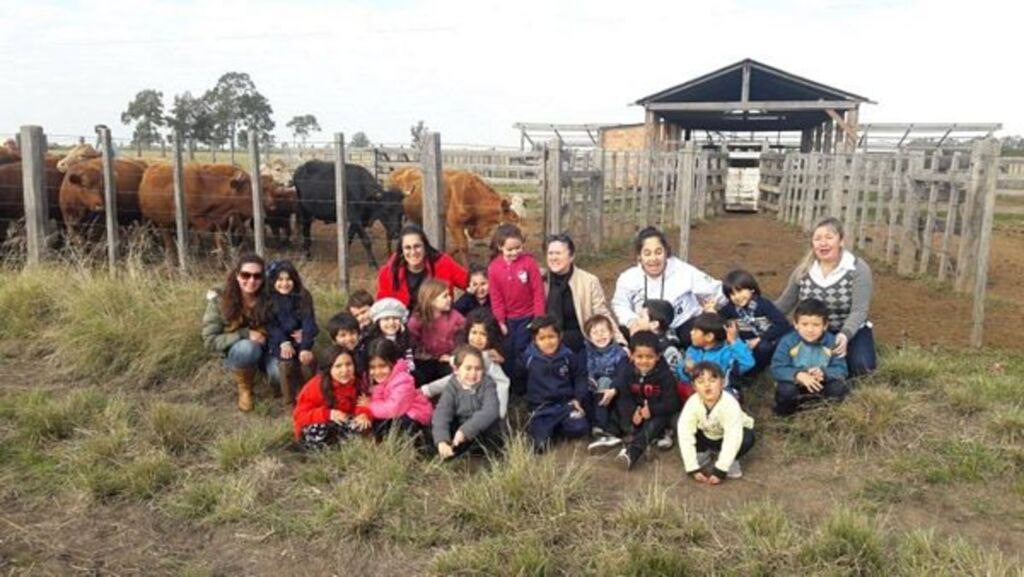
x,y
444,372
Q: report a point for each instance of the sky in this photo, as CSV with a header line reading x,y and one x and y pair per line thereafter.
x,y
472,68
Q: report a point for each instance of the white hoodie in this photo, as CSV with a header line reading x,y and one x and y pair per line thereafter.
x,y
680,284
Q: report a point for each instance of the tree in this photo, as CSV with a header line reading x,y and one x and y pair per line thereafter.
x,y
255,113
418,131
146,110
359,140
301,126
192,117
235,103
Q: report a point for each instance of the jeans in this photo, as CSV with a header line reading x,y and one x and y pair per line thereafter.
x,y
860,353
789,395
246,354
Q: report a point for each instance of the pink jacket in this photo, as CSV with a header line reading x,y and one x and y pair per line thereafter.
x,y
398,396
516,288
437,338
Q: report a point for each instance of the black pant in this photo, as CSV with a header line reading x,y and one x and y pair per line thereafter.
x,y
789,395
429,370
490,441
706,444
645,433
404,424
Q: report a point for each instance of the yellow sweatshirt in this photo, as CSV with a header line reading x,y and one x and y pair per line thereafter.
x,y
725,421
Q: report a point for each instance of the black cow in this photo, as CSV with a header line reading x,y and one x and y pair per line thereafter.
x,y
367,202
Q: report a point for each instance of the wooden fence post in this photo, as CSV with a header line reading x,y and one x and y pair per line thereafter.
x,y
433,189
341,210
257,193
181,223
990,156
645,191
928,234
909,239
951,217
553,225
965,265
598,199
109,196
33,182
684,198
894,207
836,198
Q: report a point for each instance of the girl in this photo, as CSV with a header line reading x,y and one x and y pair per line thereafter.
x,y
432,329
388,316
517,293
394,401
332,405
467,414
291,325
477,293
482,333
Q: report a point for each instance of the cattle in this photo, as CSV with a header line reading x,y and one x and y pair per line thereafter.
x,y
7,156
77,154
472,211
82,198
12,198
367,201
278,170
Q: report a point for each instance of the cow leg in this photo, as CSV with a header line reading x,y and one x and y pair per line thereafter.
x,y
360,231
307,241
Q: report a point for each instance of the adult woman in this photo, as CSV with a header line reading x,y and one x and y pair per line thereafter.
x,y
659,275
414,262
573,294
234,324
843,282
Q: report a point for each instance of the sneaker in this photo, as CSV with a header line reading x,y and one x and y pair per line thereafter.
x,y
703,458
735,471
597,432
665,442
624,458
604,442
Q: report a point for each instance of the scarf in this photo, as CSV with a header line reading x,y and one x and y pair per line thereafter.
x,y
558,290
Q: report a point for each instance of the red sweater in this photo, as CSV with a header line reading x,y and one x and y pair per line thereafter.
x,y
445,269
516,288
311,408
438,337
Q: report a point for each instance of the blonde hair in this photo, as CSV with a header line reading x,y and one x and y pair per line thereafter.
x,y
429,290
833,224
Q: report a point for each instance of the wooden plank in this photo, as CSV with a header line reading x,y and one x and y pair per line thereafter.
x,y
909,239
876,218
928,233
664,166
258,218
951,219
180,219
766,105
553,224
109,196
853,202
599,195
341,210
990,158
645,191
893,205
836,196
433,189
33,182
965,256
684,196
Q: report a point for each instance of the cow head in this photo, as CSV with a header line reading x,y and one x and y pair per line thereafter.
x,y
389,212
489,207
278,200
76,155
85,187
278,171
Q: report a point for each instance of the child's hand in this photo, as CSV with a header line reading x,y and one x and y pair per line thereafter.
x,y
338,416
805,380
606,397
713,480
638,418
700,477
645,412
445,450
577,410
496,356
296,336
459,438
363,401
752,343
287,351
817,373
731,331
306,357
504,329
362,422
709,305
445,359
258,337
689,365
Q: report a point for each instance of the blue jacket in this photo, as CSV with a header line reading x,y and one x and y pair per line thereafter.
x,y
559,378
736,355
602,363
795,355
467,303
759,319
284,318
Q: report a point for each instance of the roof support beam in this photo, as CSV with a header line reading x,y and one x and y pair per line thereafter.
x,y
767,105
745,90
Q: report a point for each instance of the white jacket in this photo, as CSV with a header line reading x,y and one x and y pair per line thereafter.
x,y
725,421
680,284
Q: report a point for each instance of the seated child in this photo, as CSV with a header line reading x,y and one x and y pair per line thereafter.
x,y
394,401
715,342
760,323
331,405
432,330
713,422
466,417
804,365
647,397
482,333
344,330
291,328
359,303
477,294
389,316
605,358
659,314
556,385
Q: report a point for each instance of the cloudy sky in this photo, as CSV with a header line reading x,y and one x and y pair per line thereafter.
x,y
471,68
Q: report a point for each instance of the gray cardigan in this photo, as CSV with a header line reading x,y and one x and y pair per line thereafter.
x,y
472,410
861,298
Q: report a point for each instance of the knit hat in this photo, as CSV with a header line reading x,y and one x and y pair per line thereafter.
x,y
388,308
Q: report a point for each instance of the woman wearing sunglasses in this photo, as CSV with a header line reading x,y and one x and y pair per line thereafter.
x,y
234,324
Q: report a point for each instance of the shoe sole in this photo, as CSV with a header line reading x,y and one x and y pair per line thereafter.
x,y
592,448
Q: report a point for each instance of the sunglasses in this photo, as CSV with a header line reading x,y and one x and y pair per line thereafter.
x,y
246,275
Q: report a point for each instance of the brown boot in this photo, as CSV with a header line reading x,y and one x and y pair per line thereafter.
x,y
290,374
245,378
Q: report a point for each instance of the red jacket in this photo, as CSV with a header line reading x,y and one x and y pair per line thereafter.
x,y
445,269
311,408
516,288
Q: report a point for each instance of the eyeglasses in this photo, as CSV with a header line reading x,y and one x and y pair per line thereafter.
x,y
246,275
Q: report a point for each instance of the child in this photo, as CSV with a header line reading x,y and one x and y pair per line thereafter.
x,y
605,358
467,414
714,342
715,422
394,401
291,327
760,323
517,294
432,329
659,314
804,365
389,316
482,333
556,385
344,330
359,303
476,295
332,404
647,397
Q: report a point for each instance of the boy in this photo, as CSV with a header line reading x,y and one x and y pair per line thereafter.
x,y
760,323
605,358
359,303
556,385
804,365
714,342
345,332
647,397
477,294
714,422
660,314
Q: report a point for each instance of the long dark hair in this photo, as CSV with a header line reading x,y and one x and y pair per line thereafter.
x,y
651,232
301,298
481,316
504,232
431,254
330,357
231,299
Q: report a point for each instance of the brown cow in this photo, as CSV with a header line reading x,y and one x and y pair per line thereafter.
x,y
12,198
280,202
472,211
79,153
82,198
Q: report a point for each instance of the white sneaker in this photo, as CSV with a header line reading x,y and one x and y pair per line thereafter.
x,y
703,458
665,442
604,442
623,457
735,471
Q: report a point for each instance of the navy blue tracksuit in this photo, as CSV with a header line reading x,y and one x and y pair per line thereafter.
x,y
552,382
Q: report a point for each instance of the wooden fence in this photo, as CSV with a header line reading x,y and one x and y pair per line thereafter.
x,y
927,213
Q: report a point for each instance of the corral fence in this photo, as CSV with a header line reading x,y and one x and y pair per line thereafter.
x,y
925,212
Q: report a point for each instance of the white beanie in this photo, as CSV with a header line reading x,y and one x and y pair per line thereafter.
x,y
388,308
